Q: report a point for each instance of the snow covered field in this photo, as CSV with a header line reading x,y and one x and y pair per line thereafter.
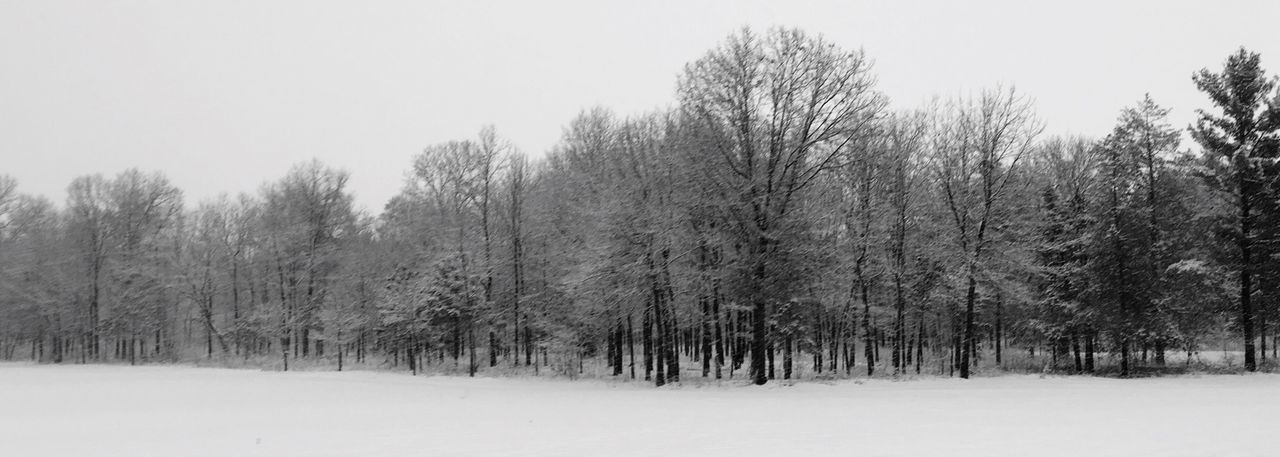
x,y
171,411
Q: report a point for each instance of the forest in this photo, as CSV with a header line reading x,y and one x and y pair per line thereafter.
x,y
780,220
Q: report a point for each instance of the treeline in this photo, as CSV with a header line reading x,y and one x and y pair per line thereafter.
x,y
780,219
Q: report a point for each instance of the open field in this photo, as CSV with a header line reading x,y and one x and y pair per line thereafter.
x,y
163,411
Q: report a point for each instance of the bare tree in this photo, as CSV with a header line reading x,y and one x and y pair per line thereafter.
x,y
775,112
977,145
517,177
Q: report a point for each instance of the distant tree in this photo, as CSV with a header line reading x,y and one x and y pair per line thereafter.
x,y
517,183
8,195
200,265
88,227
36,304
490,151
305,216
349,312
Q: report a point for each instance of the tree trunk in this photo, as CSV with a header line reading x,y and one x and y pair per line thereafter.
x,y
870,355
411,358
617,348
899,324
920,343
999,337
786,357
671,346
1262,333
705,346
493,348
1124,356
1088,352
528,344
471,339
631,349
770,351
646,338
966,343
660,344
1246,280
1075,348
758,309
719,341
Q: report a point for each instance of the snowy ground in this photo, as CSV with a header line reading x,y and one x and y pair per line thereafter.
x,y
168,411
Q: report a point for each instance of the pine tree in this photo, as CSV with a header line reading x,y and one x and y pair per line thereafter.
x,y
1241,148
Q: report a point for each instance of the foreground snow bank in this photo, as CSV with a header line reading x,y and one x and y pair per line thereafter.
x,y
166,411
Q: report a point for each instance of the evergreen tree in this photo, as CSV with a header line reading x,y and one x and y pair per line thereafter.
x,y
1241,148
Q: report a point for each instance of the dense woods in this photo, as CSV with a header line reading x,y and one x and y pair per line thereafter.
x,y
782,220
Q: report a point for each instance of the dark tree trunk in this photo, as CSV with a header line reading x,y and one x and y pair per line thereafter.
x,y
660,352
672,344
741,338
1075,348
528,344
411,358
646,338
617,348
999,337
849,330
1124,356
759,342
719,335
870,355
817,342
899,324
1246,279
971,295
471,342
660,333
833,344
920,343
1088,352
705,346
631,349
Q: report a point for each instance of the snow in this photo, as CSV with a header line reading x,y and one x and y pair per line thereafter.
x,y
165,411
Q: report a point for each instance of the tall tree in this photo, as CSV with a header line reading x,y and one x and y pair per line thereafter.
x,y
1067,173
978,144
776,111
517,177
305,215
1241,147
906,136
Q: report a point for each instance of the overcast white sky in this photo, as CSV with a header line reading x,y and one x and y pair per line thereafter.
x,y
223,96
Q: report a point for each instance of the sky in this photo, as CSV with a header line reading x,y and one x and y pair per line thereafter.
x,y
224,96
